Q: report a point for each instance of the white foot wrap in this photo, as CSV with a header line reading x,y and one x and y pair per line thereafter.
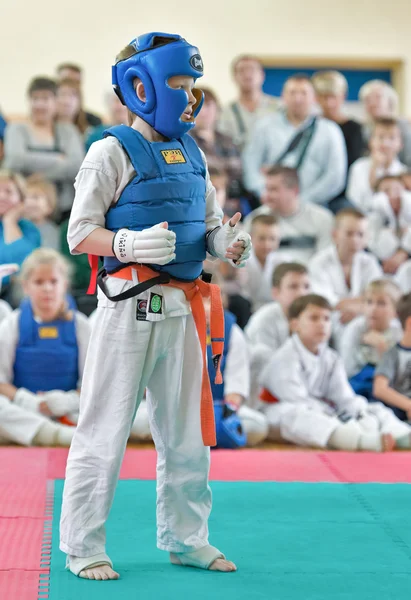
x,y
202,558
77,564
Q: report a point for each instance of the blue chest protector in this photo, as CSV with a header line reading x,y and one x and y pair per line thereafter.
x,y
229,432
169,185
46,354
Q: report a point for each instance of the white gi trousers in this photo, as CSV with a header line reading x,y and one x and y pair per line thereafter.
x,y
126,356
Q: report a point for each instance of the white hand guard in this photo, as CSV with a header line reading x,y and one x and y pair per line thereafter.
x,y
61,403
27,400
155,245
226,238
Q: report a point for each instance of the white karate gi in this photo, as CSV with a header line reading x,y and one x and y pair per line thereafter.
x,y
126,356
302,234
359,190
403,277
17,424
236,381
312,390
355,353
256,281
389,232
266,331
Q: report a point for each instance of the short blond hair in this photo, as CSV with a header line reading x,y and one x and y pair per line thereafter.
x,y
329,82
18,181
37,182
385,286
378,84
48,256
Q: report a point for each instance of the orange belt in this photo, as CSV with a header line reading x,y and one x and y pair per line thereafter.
x,y
266,396
195,291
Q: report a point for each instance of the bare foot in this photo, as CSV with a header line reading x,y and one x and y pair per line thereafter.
x,y
101,573
220,564
388,442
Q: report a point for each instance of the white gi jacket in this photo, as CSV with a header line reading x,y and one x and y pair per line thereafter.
x,y
389,232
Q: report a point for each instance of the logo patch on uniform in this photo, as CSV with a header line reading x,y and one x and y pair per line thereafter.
x,y
173,157
141,313
50,333
156,304
196,62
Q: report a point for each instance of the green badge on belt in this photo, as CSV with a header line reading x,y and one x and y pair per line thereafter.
x,y
156,304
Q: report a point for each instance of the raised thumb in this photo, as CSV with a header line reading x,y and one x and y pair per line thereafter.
x,y
164,225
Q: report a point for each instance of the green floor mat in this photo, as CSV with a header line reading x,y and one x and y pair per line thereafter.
x,y
291,541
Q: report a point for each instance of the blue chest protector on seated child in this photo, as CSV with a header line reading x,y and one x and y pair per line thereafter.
x,y
362,382
46,354
228,426
169,185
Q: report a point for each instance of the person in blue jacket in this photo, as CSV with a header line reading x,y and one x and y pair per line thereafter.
x,y
18,237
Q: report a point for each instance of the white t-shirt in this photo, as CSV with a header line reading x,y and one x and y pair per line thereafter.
x,y
104,174
9,337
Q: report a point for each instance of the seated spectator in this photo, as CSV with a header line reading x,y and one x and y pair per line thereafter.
x,y
39,204
18,237
305,228
255,278
219,180
2,131
307,395
385,144
392,382
117,115
70,106
342,272
380,100
390,224
238,119
43,146
75,73
403,277
219,149
268,328
294,137
367,337
331,89
42,355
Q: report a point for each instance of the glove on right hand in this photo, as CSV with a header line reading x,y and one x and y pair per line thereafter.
x,y
156,245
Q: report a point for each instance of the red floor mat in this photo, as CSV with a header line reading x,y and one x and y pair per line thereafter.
x,y
23,464
20,546
23,585
22,499
368,467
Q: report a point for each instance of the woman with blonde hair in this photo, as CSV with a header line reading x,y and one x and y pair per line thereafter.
x,y
42,354
380,100
331,90
70,105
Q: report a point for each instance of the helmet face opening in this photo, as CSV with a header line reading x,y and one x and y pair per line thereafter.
x,y
158,57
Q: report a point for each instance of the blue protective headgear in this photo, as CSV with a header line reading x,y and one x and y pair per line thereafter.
x,y
229,431
158,57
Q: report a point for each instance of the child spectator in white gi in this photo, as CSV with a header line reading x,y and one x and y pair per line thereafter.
x,y
268,328
255,278
308,396
305,227
18,237
39,204
392,383
367,337
342,271
42,355
403,277
5,271
385,145
390,224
